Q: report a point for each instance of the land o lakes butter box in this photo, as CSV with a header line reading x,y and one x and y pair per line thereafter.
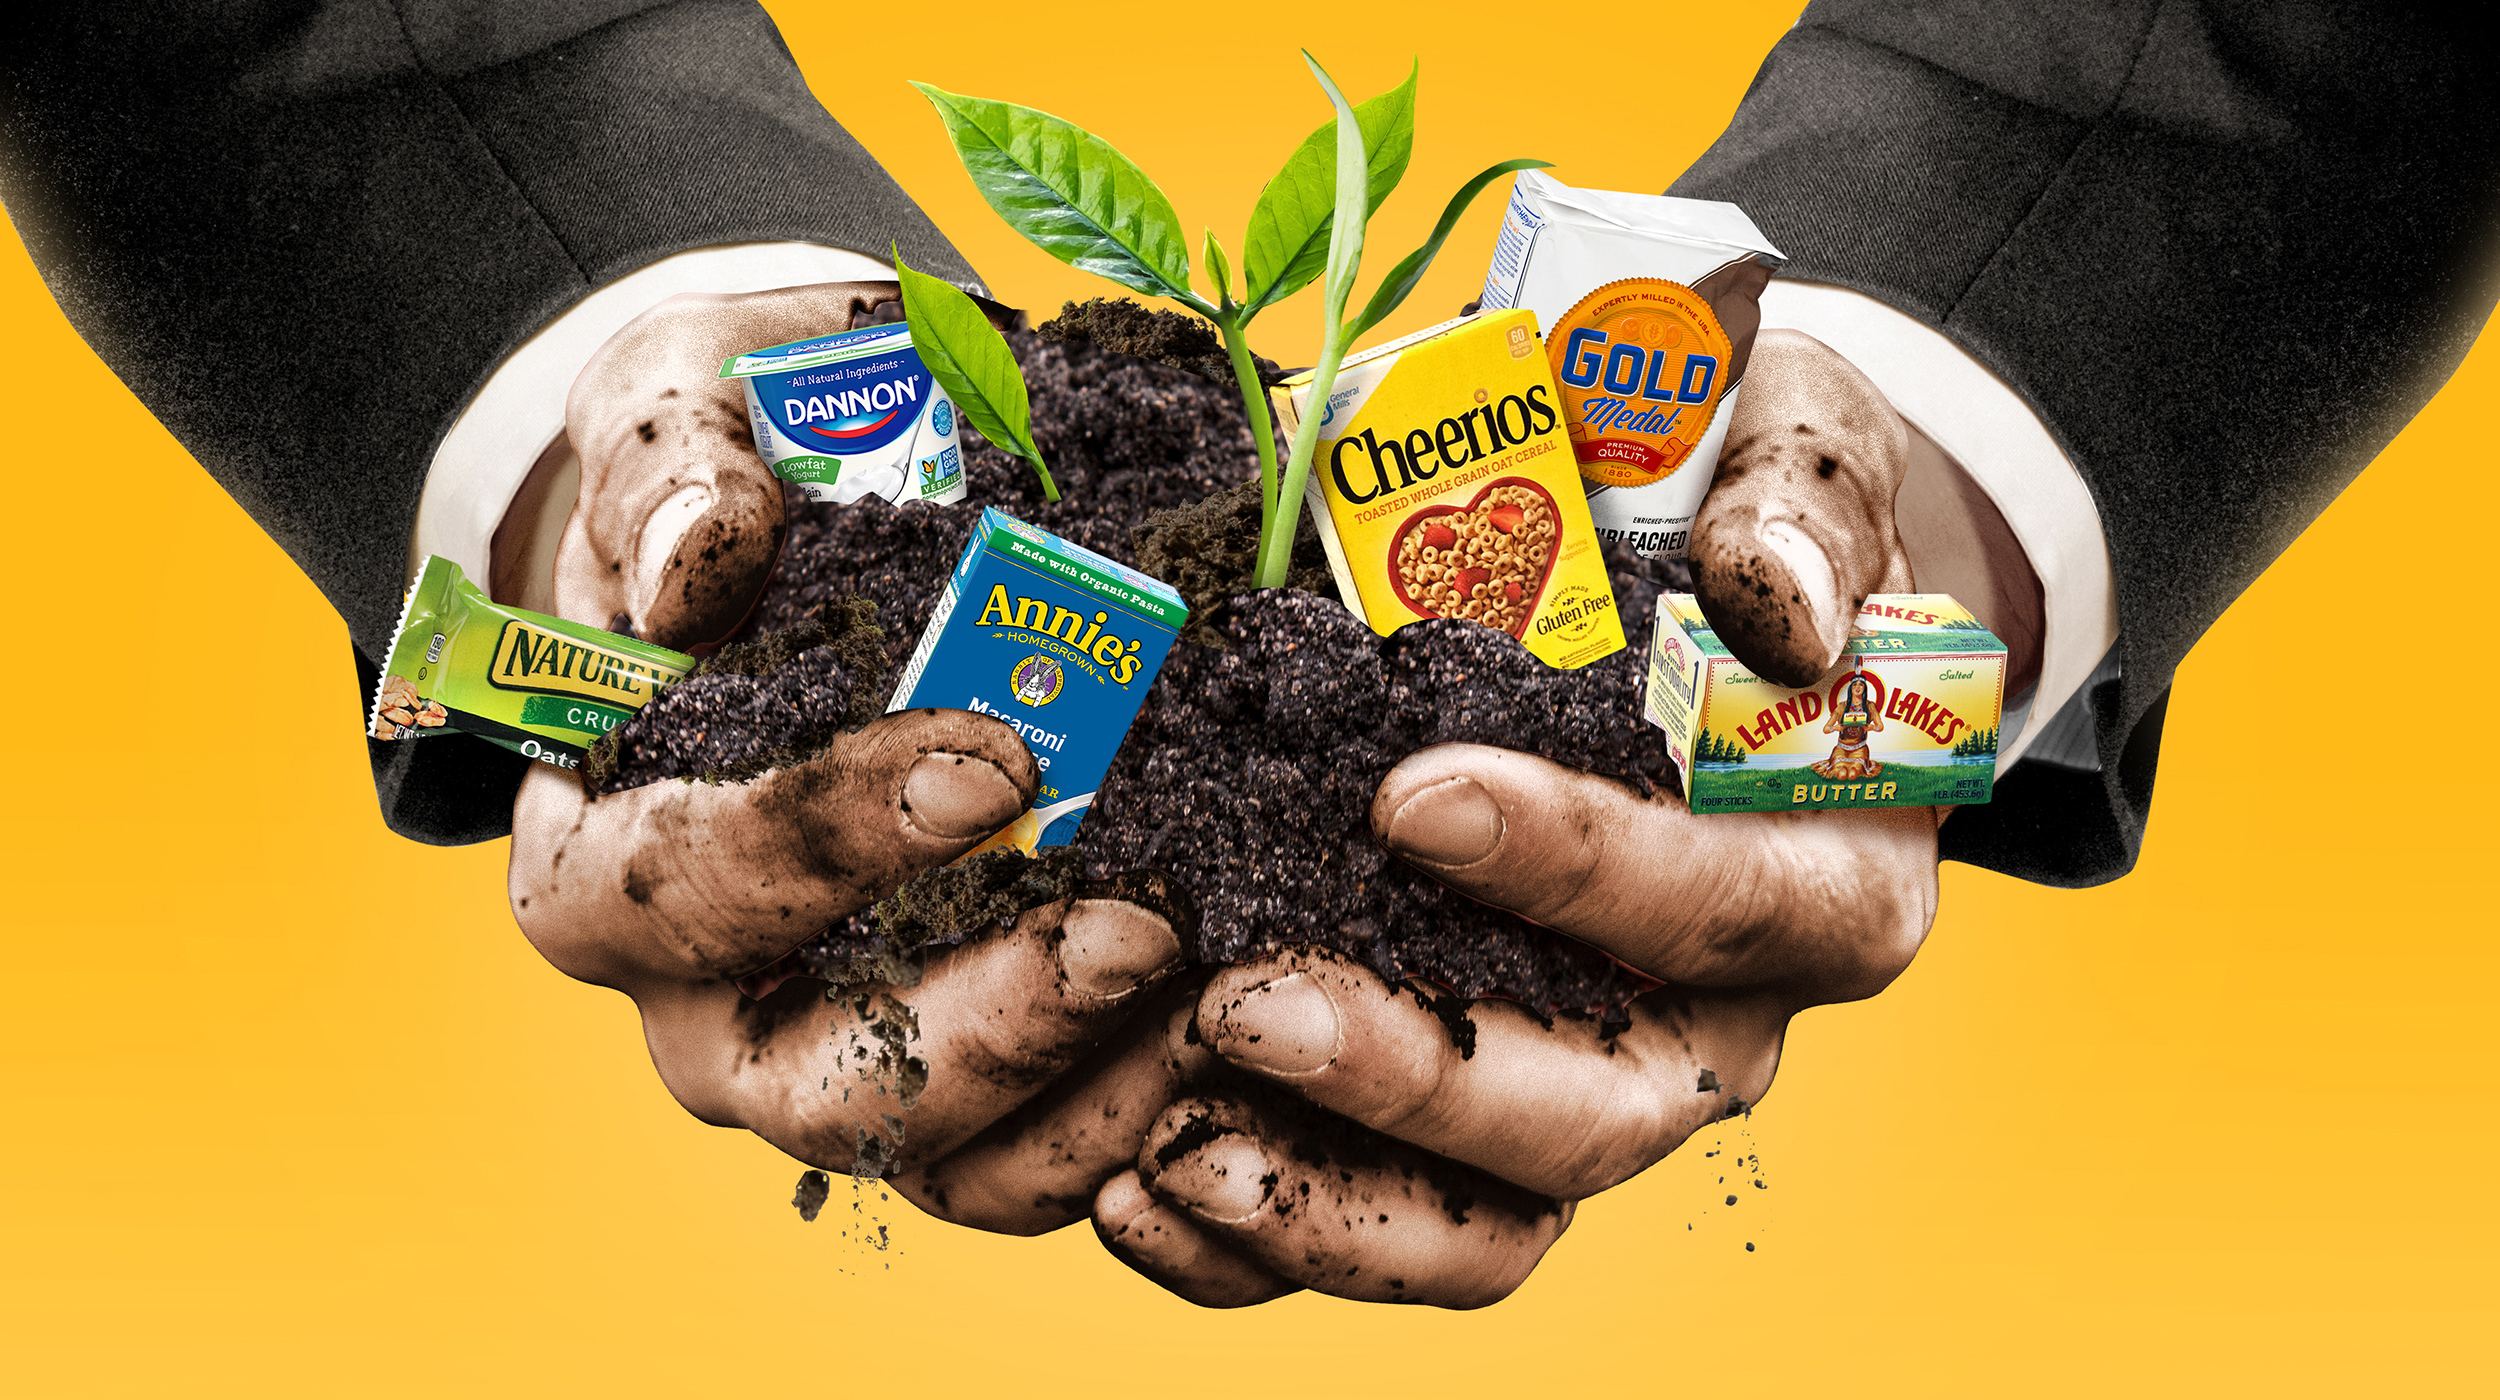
x,y
1056,640
1908,718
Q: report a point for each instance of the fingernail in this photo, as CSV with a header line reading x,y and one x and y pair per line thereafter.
x,y
1122,1199
1816,579
655,544
1288,1026
1109,948
951,797
1453,822
1225,1181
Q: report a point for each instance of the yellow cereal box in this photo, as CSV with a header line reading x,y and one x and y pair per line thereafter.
x,y
1445,486
1908,718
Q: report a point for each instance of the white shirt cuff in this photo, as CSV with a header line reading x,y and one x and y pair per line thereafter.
x,y
1997,440
519,414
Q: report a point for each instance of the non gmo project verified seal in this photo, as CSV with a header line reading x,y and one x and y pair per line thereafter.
x,y
939,474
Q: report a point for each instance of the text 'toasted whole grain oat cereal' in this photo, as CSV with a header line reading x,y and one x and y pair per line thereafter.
x,y
1649,310
1907,718
1443,486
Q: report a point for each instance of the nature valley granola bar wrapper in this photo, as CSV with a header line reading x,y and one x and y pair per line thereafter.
x,y
1648,307
1908,718
462,663
1443,486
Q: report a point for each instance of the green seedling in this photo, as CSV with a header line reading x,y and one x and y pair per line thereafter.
x,y
972,364
1089,206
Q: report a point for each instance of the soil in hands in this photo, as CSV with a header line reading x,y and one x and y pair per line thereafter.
x,y
1249,775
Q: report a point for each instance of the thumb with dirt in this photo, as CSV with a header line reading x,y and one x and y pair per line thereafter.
x,y
679,522
1798,527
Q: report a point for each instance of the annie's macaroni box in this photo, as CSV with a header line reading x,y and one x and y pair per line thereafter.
x,y
1057,641
1908,718
1443,486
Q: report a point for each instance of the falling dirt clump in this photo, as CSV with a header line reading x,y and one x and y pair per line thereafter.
x,y
815,1188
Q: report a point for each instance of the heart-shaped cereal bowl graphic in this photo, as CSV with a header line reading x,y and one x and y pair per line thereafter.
x,y
1486,561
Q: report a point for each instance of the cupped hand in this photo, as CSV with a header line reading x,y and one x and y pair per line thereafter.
x,y
1324,1130
1382,1157
678,893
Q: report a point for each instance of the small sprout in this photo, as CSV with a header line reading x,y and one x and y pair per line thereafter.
x,y
972,364
1077,198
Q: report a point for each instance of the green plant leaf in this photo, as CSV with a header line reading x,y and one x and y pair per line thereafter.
x,y
1219,269
1286,245
1353,211
1406,274
1068,191
972,364
1345,259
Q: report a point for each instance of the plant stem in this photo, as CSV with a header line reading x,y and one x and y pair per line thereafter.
x,y
1276,542
1254,406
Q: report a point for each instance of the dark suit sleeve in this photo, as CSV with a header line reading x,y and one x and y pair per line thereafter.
x,y
305,235
2225,251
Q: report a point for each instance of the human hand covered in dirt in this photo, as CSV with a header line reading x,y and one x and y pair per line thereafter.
x,y
1401,1163
1476,1157
677,894
679,521
1299,1123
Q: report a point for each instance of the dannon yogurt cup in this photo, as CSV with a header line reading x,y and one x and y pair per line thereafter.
x,y
853,415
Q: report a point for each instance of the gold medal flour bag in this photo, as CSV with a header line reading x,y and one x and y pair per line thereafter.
x,y
1635,293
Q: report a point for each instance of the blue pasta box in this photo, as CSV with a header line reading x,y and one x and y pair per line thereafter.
x,y
1058,642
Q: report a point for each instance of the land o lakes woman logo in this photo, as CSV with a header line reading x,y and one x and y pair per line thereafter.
x,y
1037,679
1857,708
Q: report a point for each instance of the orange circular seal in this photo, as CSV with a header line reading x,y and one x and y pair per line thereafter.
x,y
1641,363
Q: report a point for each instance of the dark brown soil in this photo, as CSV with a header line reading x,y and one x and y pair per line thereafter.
x,y
1248,777
1169,338
752,706
815,1188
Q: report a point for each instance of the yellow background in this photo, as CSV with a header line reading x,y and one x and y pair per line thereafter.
x,y
288,1107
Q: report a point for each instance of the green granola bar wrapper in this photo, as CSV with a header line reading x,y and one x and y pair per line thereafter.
x,y
462,663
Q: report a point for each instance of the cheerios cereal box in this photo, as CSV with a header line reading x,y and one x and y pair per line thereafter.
x,y
1444,486
1907,718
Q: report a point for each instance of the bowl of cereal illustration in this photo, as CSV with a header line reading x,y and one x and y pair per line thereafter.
x,y
1486,561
